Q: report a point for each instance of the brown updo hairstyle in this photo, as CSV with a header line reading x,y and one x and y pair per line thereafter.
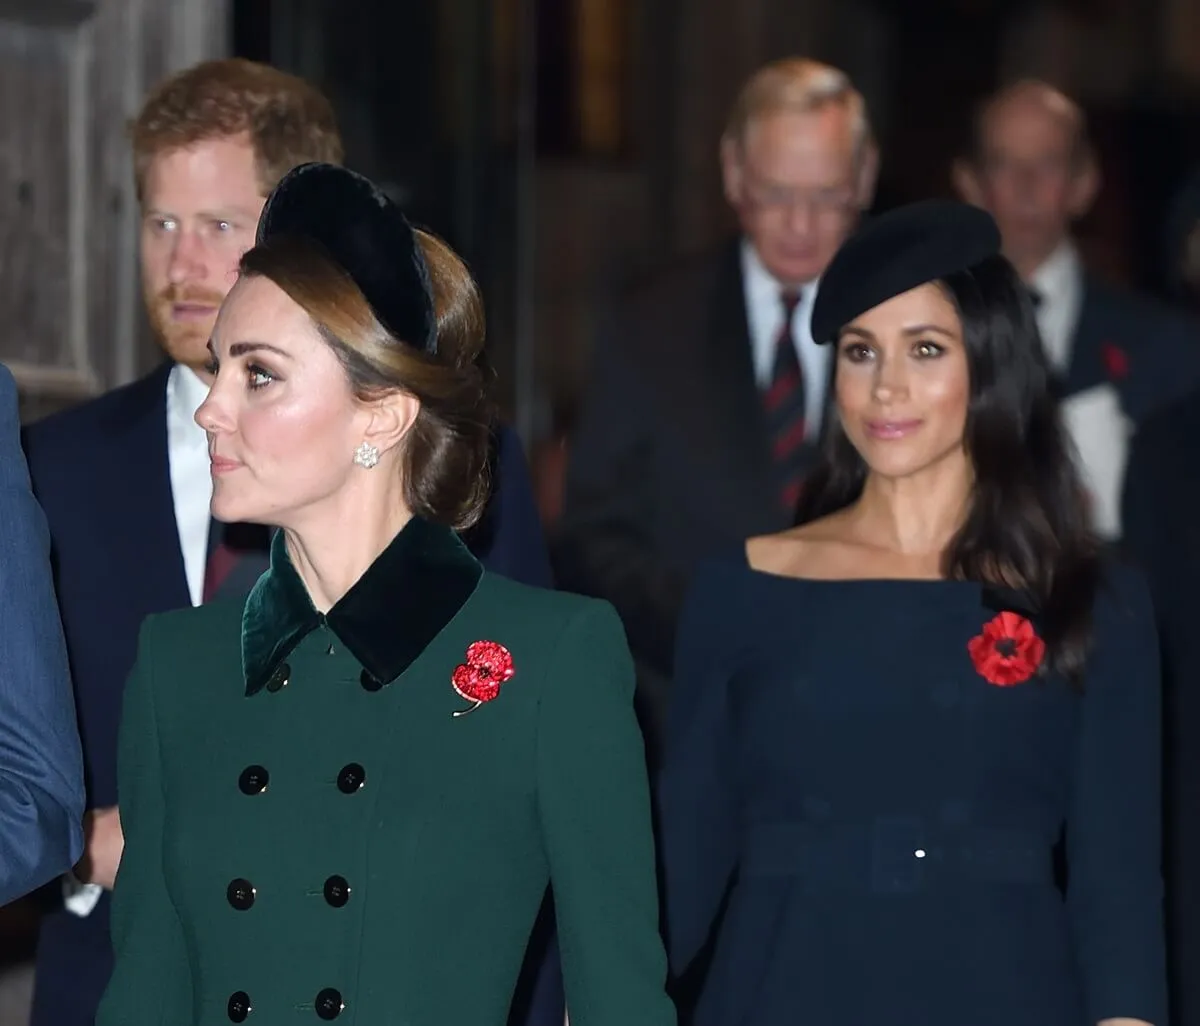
x,y
445,455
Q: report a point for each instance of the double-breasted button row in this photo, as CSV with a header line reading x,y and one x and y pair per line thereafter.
x,y
328,1005
253,780
241,893
283,676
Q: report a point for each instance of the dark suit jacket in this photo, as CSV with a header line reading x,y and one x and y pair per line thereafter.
x,y
41,771
1147,350
1162,530
326,835
671,460
101,473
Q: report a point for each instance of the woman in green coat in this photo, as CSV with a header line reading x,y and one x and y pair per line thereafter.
x,y
344,798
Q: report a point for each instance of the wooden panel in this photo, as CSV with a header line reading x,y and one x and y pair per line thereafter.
x,y
72,75
115,90
43,216
47,13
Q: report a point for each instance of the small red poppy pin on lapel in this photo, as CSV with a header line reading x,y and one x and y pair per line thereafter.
x,y
1008,651
489,665
1116,361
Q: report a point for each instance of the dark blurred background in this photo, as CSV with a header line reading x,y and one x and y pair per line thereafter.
x,y
566,146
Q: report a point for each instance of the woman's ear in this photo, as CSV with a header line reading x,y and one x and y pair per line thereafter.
x,y
391,418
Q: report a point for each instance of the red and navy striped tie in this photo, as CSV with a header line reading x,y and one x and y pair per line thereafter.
x,y
237,555
784,402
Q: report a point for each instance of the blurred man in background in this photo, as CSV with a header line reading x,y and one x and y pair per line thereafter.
x,y
707,395
1118,357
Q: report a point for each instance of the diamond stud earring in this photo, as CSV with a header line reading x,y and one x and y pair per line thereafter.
x,y
366,455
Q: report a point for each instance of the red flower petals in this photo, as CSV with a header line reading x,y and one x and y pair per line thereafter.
x,y
1008,651
478,680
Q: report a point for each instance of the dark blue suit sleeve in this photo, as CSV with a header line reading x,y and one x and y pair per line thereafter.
x,y
512,543
1114,847
41,768
697,798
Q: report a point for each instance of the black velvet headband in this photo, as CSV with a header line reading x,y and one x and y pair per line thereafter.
x,y
896,252
365,234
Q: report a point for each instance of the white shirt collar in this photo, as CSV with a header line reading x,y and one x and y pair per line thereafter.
x,y
185,392
764,317
1059,283
762,286
1060,271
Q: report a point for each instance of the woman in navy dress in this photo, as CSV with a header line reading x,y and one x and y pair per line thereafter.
x,y
912,768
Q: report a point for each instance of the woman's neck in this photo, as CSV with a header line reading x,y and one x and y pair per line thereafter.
x,y
914,516
333,548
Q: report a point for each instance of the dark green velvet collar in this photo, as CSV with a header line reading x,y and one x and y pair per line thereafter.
x,y
413,589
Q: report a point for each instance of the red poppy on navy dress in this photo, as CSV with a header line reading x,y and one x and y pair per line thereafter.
x,y
1008,651
1116,361
489,665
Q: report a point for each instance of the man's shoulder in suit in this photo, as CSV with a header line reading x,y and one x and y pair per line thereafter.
x,y
658,313
65,442
1172,429
1156,347
1134,311
687,280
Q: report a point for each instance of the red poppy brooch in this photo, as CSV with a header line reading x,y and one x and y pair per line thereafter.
x,y
478,680
1116,361
1007,651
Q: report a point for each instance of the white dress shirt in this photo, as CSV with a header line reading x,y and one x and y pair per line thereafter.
x,y
1059,283
191,479
764,318
1094,419
191,491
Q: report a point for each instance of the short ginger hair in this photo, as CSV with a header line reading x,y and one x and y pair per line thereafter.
x,y
287,121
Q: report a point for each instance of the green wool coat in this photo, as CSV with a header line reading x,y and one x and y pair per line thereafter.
x,y
314,831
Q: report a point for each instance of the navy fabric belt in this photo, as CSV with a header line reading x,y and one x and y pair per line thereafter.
x,y
894,854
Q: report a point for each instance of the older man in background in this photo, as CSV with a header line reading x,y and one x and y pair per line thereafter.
x,y
708,393
1118,357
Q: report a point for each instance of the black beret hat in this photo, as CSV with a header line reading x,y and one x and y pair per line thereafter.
x,y
896,252
354,224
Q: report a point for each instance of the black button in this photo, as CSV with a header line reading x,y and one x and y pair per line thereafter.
x,y
351,778
253,780
238,1006
329,1004
369,681
240,894
279,679
337,891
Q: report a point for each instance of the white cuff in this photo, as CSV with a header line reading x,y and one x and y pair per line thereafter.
x,y
79,897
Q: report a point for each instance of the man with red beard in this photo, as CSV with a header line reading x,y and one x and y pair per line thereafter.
x,y
125,478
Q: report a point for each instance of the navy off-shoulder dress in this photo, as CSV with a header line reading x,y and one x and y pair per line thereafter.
x,y
867,826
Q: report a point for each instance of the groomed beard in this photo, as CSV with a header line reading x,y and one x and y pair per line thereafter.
x,y
185,343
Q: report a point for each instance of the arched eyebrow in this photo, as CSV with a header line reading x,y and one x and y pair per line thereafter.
x,y
242,348
910,332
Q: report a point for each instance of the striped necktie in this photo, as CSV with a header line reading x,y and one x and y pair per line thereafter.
x,y
785,408
238,554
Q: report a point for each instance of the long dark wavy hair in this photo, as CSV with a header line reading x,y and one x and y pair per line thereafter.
x,y
1027,528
